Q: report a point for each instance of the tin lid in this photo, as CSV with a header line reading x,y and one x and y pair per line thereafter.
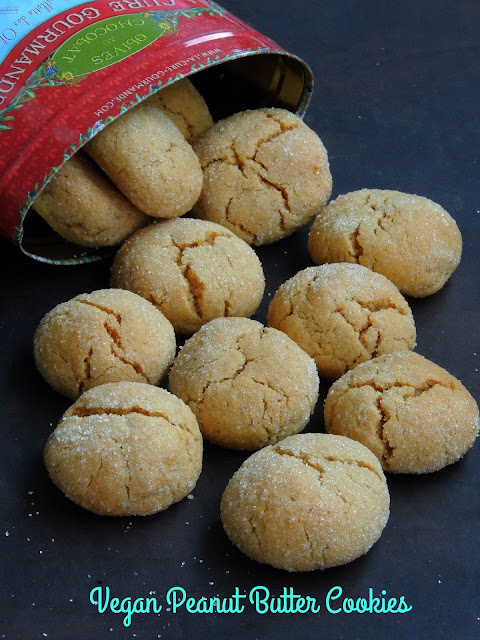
x,y
78,69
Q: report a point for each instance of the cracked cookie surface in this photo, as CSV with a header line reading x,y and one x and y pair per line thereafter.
x,y
248,386
192,270
266,174
84,207
149,160
312,501
125,448
413,415
184,105
109,335
411,240
342,315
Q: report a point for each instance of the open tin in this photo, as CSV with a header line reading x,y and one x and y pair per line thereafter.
x,y
67,72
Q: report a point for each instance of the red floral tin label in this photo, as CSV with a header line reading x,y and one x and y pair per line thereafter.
x,y
69,69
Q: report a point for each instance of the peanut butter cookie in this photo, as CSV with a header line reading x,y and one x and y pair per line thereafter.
x,y
124,449
109,335
183,104
192,270
84,207
248,386
266,174
312,501
411,240
413,415
150,161
342,314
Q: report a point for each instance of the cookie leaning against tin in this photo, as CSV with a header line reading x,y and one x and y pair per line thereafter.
x,y
266,174
411,240
150,161
413,415
83,206
124,449
185,107
312,501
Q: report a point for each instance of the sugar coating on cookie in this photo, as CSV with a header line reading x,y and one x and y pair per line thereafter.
x,y
409,239
266,174
125,448
83,206
248,386
192,270
184,105
109,335
413,415
150,161
342,314
312,501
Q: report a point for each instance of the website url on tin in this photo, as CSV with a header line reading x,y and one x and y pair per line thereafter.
x,y
155,79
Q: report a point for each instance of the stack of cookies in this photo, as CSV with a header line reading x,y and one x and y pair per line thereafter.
x,y
127,447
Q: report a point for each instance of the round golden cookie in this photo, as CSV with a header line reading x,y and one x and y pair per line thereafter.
x,y
266,174
192,270
248,386
109,335
83,206
342,314
413,415
182,103
125,449
411,240
312,501
150,161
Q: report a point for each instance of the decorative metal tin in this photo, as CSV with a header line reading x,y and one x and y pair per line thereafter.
x,y
69,69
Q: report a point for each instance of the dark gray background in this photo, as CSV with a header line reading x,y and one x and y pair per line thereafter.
x,y
396,102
